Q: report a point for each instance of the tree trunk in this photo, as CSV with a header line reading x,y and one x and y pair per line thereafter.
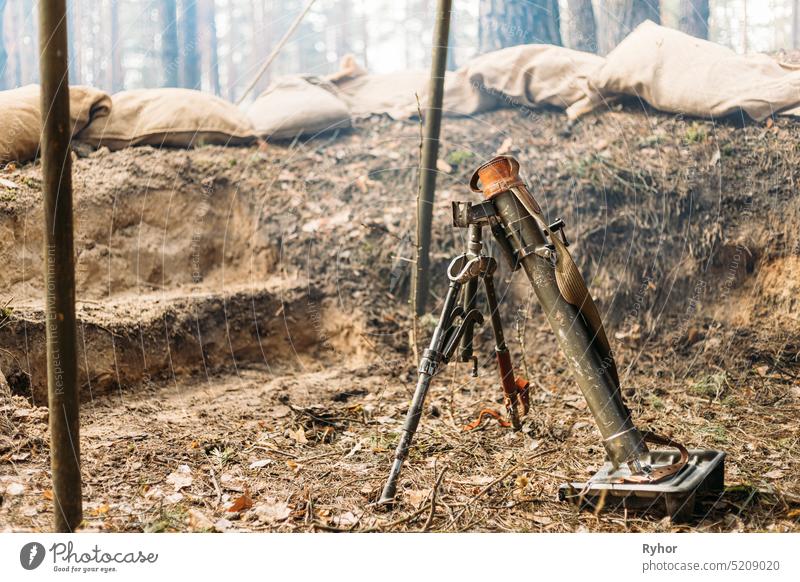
x,y
693,18
75,60
191,55
116,81
98,44
169,42
745,26
795,23
260,44
452,65
29,54
74,70
210,28
230,63
582,26
620,17
343,23
3,53
364,36
14,75
504,23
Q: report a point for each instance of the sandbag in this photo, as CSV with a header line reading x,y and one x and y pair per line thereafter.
x,y
169,117
297,106
20,118
678,73
348,69
389,93
522,76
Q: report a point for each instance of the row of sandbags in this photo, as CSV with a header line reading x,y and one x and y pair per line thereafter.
x,y
169,117
669,70
21,123
157,117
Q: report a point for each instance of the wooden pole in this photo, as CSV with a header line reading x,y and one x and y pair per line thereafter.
x,y
273,55
430,153
62,385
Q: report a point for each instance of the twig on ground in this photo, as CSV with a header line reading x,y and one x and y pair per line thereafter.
x,y
433,498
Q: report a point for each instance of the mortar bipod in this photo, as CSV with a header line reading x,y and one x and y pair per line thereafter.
x,y
456,326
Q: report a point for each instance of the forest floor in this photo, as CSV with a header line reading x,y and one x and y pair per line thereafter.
x,y
245,360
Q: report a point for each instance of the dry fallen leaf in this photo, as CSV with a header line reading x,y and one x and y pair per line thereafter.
x,y
774,474
354,450
100,510
260,463
15,489
541,519
347,519
279,411
416,497
176,497
199,521
242,502
480,479
181,478
48,494
299,435
272,511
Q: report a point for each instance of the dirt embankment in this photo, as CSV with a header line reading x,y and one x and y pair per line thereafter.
x,y
289,266
683,228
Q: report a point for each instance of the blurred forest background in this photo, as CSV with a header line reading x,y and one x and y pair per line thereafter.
x,y
217,45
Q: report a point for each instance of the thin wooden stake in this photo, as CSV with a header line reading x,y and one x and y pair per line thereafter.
x,y
273,55
430,153
59,263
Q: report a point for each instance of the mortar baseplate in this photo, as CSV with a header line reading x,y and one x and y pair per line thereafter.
x,y
704,473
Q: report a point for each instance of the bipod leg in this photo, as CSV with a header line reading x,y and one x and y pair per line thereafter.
x,y
474,249
428,366
515,391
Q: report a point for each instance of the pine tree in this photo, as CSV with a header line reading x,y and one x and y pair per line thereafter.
x,y
169,42
210,30
191,53
619,17
3,52
116,80
582,26
504,23
693,17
